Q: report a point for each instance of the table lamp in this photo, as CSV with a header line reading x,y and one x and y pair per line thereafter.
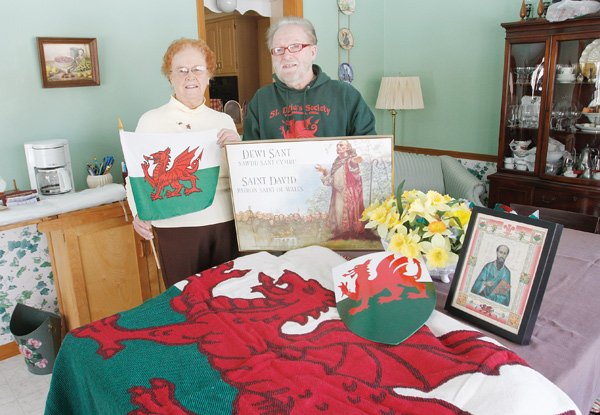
x,y
399,93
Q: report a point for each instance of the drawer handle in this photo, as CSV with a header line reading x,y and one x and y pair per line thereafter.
x,y
548,201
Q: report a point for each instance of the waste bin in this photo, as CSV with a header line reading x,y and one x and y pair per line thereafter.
x,y
37,334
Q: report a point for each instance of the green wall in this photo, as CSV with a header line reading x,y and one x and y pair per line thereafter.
x,y
456,47
132,36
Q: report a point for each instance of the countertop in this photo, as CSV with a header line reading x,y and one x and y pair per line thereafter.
x,y
57,204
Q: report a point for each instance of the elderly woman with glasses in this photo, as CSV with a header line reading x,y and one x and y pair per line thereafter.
x,y
191,243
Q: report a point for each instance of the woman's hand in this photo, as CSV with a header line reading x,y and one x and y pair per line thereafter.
x,y
144,229
226,135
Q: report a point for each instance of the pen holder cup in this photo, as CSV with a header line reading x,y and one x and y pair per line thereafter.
x,y
98,181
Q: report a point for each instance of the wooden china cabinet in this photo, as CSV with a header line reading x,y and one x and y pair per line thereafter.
x,y
550,77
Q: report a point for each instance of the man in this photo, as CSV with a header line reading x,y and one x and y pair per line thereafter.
x,y
303,101
494,280
346,206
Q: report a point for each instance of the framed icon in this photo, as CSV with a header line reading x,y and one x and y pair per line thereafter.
x,y
502,272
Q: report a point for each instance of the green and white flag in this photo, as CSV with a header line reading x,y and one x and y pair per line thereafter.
x,y
171,174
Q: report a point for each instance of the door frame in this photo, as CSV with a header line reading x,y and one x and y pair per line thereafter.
x,y
290,8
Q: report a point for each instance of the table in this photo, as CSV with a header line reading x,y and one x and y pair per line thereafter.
x,y
565,345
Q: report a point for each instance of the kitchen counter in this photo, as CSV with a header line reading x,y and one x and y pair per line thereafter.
x,y
57,204
25,262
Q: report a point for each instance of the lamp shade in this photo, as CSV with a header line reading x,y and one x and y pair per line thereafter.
x,y
400,93
227,6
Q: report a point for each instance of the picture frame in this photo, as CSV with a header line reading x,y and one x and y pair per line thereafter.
x,y
286,195
514,256
68,62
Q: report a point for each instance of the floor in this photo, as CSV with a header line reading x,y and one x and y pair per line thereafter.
x,y
21,392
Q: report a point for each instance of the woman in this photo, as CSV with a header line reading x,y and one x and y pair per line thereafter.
x,y
191,243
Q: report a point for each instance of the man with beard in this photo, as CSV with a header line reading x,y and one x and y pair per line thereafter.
x,y
347,205
303,101
494,280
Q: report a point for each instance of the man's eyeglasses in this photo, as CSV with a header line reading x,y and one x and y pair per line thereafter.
x,y
183,71
293,48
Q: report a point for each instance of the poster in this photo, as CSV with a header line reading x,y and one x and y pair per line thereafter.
x,y
289,194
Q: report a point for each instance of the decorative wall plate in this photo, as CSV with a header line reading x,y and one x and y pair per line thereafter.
x,y
345,38
346,6
346,73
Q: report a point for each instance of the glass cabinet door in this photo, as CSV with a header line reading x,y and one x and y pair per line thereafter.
x,y
574,125
525,85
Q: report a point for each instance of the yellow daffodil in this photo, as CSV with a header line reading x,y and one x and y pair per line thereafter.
x,y
410,196
422,208
437,227
438,253
368,210
383,219
437,198
406,243
460,211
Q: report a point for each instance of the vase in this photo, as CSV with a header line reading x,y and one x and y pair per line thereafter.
x,y
444,274
99,181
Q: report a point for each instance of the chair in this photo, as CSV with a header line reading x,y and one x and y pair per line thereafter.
x,y
233,109
443,174
571,220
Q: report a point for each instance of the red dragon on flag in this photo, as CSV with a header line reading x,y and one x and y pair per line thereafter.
x,y
183,169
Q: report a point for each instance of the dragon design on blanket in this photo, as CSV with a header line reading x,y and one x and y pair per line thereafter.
x,y
238,335
392,274
183,169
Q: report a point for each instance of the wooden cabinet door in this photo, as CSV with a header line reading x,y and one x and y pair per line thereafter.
x,y
99,264
211,39
506,190
227,47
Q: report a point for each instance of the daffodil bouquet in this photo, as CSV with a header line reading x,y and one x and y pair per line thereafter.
x,y
422,224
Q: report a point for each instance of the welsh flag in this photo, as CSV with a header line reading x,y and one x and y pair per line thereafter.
x,y
171,174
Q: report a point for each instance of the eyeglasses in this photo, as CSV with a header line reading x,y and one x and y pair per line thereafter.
x,y
293,48
183,71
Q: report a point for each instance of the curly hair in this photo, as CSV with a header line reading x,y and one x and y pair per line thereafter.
x,y
180,44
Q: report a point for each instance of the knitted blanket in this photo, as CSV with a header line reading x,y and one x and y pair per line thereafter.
x,y
261,335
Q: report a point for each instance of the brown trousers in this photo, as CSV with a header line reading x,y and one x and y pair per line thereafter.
x,y
184,252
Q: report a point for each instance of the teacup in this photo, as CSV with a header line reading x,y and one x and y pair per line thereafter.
x,y
521,166
565,71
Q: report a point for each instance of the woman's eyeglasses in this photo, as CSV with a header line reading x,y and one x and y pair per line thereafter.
x,y
293,48
183,71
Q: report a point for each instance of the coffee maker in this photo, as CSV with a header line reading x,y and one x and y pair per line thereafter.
x,y
49,167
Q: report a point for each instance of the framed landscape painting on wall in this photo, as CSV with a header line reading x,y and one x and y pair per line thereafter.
x,y
68,62
293,193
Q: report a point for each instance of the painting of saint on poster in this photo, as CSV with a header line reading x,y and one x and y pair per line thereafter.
x,y
289,194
